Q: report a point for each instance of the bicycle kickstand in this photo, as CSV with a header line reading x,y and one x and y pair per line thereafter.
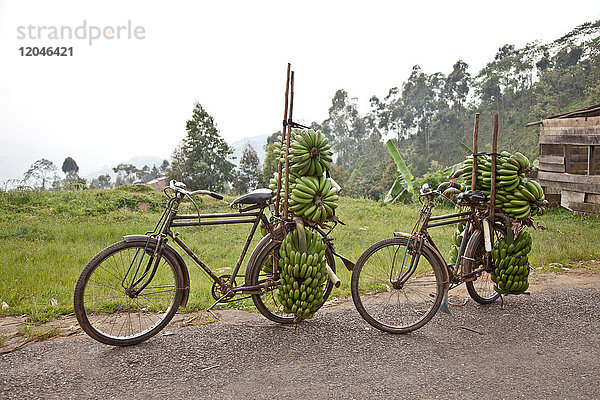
x,y
209,309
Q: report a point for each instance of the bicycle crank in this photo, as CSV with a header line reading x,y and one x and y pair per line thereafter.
x,y
221,290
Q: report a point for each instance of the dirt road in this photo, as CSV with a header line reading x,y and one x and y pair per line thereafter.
x,y
542,346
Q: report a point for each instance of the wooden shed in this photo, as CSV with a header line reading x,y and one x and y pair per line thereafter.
x,y
570,158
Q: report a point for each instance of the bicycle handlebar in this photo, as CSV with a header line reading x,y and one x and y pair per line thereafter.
x,y
452,184
180,187
426,190
206,192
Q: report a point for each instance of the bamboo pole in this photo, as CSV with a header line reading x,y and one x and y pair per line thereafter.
x,y
475,150
285,117
494,151
287,149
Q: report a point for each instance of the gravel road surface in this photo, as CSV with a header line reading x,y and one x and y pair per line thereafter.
x,y
542,346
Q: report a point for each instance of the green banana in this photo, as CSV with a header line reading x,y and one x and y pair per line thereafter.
x,y
511,270
300,291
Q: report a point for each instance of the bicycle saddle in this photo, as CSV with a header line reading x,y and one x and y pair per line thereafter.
x,y
255,197
472,197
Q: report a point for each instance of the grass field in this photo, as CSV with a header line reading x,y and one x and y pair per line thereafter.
x,y
47,238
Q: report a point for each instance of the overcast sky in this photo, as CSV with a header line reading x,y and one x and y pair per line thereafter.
x,y
119,98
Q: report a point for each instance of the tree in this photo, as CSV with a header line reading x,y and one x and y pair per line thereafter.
x,y
457,85
429,113
69,166
40,172
273,138
421,95
248,175
366,178
389,114
72,179
164,167
201,160
340,175
126,174
74,182
101,182
104,181
145,174
345,128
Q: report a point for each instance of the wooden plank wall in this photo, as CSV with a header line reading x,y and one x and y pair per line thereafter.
x,y
570,160
577,131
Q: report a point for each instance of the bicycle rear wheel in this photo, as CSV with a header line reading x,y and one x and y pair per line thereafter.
x,y
105,302
482,288
260,272
388,294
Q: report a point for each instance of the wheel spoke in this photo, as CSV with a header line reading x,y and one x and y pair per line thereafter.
x,y
396,307
105,310
482,288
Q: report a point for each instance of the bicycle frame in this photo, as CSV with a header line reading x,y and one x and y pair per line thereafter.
x,y
253,214
242,217
421,235
224,286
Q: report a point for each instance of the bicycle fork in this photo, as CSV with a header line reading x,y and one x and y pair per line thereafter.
x,y
399,281
151,268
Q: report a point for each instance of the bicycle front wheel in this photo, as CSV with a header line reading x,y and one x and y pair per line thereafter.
x,y
110,302
261,273
389,294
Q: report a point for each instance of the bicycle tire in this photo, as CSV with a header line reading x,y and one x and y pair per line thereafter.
x,y
396,310
482,288
266,302
103,309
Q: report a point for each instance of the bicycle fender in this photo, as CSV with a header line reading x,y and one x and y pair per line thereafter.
x,y
435,254
175,254
278,235
467,266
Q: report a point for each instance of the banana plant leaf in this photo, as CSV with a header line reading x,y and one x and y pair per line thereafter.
x,y
464,147
451,170
402,188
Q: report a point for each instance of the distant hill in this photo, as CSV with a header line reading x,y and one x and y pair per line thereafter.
x,y
257,142
138,161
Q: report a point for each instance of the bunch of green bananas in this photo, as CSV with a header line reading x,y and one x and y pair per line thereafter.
x,y
456,239
313,198
310,153
511,264
311,194
273,182
303,272
517,196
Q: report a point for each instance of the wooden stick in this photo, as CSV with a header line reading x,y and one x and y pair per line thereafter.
x,y
287,150
494,151
475,140
279,166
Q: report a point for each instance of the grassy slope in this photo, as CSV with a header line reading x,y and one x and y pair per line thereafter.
x,y
47,238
